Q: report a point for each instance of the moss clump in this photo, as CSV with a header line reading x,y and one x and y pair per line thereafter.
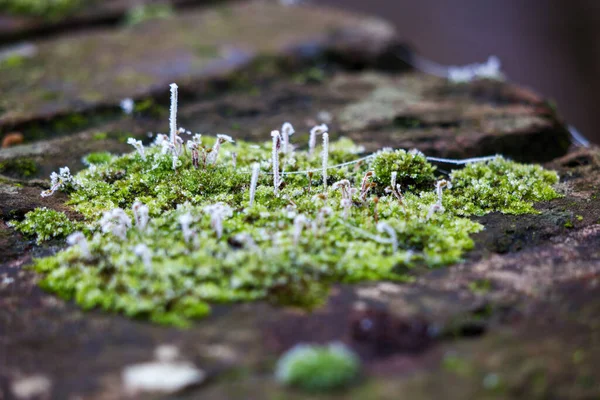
x,y
412,168
318,368
500,185
21,168
147,12
51,9
203,243
102,157
45,224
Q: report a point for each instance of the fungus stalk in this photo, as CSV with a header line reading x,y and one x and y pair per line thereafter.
x,y
275,160
325,159
140,215
253,182
312,141
384,227
77,238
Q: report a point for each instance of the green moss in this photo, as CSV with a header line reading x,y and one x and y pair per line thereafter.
x,y
412,168
22,167
262,253
97,158
318,368
45,224
52,9
146,12
500,185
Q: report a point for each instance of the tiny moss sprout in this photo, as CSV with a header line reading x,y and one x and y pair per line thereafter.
x,y
167,232
317,368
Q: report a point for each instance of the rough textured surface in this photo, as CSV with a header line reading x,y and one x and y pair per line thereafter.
x,y
517,319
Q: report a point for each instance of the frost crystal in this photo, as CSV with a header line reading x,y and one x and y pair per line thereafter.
x,y
115,221
299,223
312,141
185,220
140,215
58,180
384,227
287,130
214,154
325,159
137,144
468,73
218,212
78,238
143,252
253,182
275,160
127,106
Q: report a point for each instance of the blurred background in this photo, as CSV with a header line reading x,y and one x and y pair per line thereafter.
x,y
548,45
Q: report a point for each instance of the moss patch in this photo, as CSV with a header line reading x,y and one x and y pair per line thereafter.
x,y
204,243
45,224
50,9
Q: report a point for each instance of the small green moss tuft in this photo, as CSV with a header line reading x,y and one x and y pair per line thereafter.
x,y
45,224
318,368
500,185
412,167
97,158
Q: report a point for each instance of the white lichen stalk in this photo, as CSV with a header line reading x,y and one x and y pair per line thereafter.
x,y
275,160
300,221
384,227
143,252
115,221
287,130
58,180
325,159
140,215
312,141
253,182
218,213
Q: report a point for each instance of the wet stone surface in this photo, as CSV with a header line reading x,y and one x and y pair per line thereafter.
x,y
516,319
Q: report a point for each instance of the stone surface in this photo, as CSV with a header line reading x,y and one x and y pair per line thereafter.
x,y
517,319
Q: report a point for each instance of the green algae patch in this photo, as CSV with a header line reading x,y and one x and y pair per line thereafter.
x,y
45,224
171,229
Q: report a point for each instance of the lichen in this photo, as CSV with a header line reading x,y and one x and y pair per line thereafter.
x,y
318,368
170,230
45,224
